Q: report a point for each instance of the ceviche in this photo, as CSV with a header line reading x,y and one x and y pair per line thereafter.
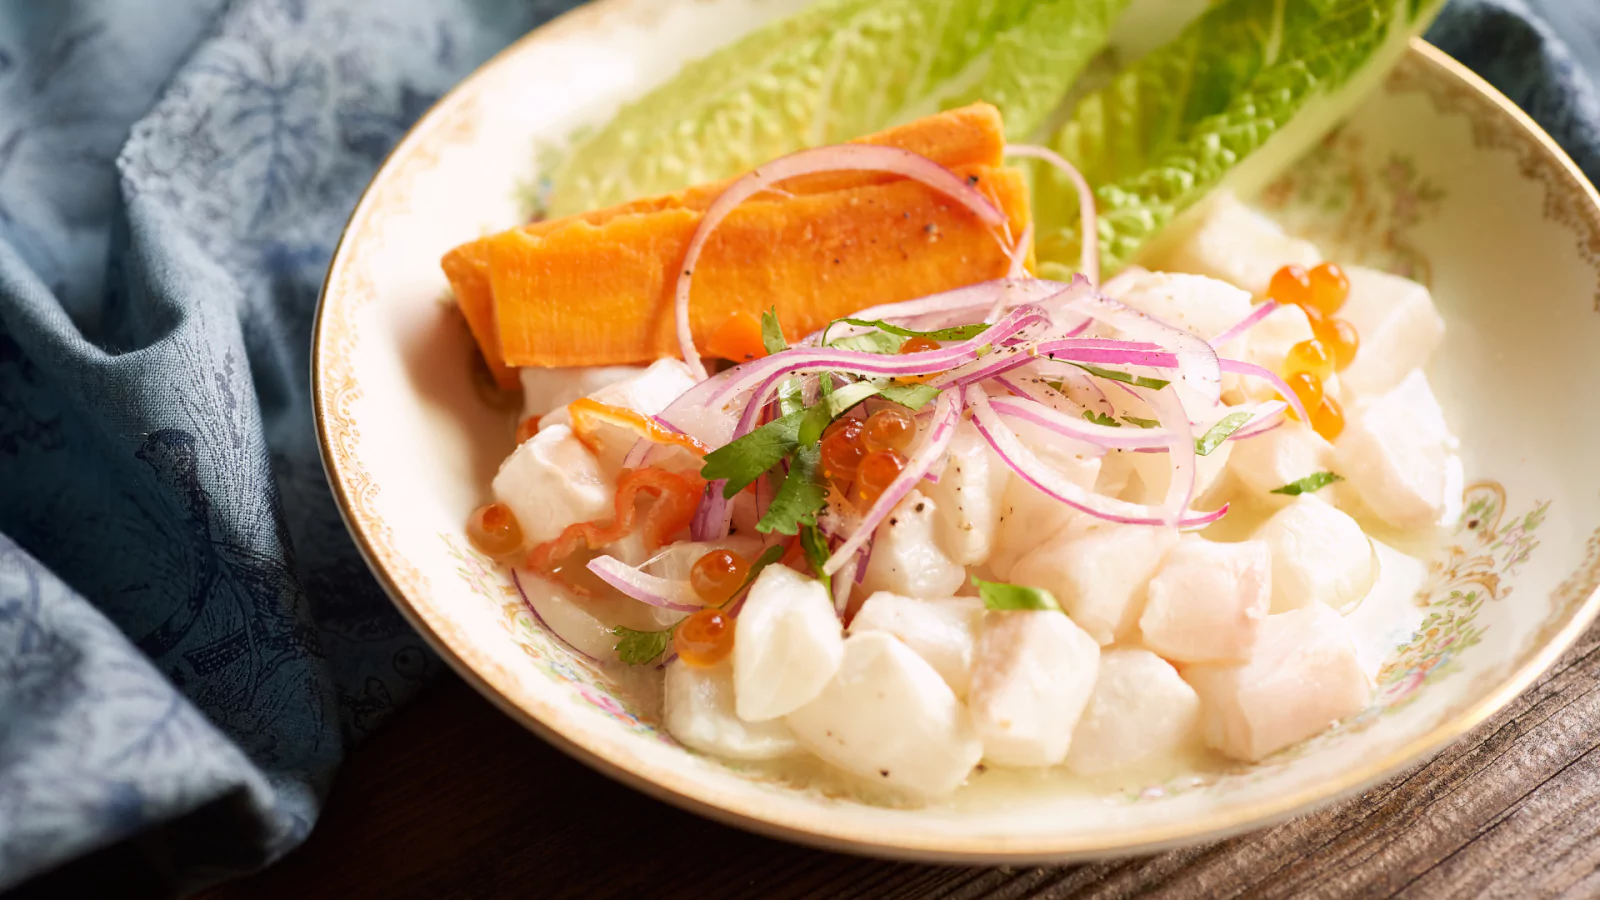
x,y
818,448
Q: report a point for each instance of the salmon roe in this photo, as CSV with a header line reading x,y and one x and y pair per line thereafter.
x,y
919,345
1291,284
878,470
889,429
843,446
494,531
527,428
1329,288
1311,356
1341,338
704,638
718,575
1308,388
1328,419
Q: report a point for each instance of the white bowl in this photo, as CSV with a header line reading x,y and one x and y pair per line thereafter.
x,y
1436,176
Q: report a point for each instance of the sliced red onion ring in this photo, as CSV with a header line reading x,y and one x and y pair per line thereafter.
x,y
844,580
974,298
643,587
852,157
1196,360
1088,224
1019,267
946,415
713,516
1239,367
1248,322
534,611
1180,450
1034,471
1034,388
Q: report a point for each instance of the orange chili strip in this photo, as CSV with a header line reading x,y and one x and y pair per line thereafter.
x,y
588,415
676,497
737,339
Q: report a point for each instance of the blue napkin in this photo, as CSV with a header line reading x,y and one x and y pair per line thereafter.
x,y
189,642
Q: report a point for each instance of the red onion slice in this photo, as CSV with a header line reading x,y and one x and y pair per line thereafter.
x,y
1239,367
1248,322
946,415
1088,223
843,157
1180,450
643,587
1035,472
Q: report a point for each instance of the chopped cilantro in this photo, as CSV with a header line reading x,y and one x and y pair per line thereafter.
x,y
954,333
789,396
825,384
871,342
912,395
742,461
639,648
1219,432
1154,384
800,497
1142,423
1309,484
772,332
834,405
1001,596
815,545
1100,418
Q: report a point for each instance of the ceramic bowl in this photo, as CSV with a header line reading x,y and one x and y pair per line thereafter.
x,y
1436,177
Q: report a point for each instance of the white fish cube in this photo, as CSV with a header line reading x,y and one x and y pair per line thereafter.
x,y
943,632
1140,708
1395,451
697,708
1207,601
1226,239
1319,555
906,556
1153,472
1029,516
1285,454
888,717
1031,679
545,390
1098,571
968,497
551,481
1304,677
649,390
1399,327
786,644
1199,305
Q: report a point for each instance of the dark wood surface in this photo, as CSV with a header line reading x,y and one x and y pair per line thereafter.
x,y
456,800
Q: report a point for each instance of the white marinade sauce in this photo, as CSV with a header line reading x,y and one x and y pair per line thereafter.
x,y
1400,489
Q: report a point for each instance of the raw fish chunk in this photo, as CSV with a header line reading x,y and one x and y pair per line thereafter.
x,y
1399,328
1029,516
1207,601
648,390
697,708
1233,242
1304,677
943,632
1031,679
1395,451
906,556
1202,306
1098,571
551,481
548,390
786,644
1319,555
1140,708
968,497
1285,454
889,717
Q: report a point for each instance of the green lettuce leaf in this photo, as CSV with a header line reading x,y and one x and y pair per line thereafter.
x,y
836,70
1241,92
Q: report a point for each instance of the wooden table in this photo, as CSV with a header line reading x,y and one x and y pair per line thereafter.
x,y
456,800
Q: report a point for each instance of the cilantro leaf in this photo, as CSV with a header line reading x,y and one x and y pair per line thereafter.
x,y
1100,418
825,384
871,342
1001,596
815,545
1309,484
831,407
800,497
1219,432
742,461
789,396
1142,423
954,333
772,332
911,395
638,648
1154,384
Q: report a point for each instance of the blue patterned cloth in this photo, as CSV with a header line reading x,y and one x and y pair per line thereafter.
x,y
189,641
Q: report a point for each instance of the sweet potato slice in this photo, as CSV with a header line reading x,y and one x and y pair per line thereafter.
x,y
587,294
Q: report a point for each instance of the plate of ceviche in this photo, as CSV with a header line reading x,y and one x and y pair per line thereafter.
x,y
1004,432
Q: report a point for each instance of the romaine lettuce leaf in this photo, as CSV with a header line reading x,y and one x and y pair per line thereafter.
x,y
1240,93
834,71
